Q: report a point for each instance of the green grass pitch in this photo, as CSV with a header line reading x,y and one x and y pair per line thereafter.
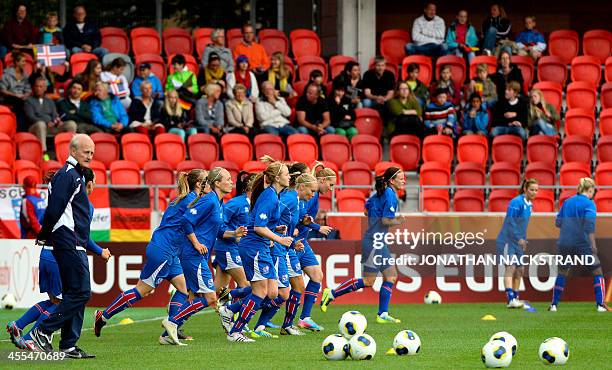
x,y
451,335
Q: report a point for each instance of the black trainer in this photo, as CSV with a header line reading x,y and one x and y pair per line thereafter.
x,y
181,335
42,340
76,352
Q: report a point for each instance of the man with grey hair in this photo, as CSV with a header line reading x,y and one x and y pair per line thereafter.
x,y
65,230
218,46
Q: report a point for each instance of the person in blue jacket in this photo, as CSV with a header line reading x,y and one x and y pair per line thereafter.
x,y
107,111
461,37
576,222
512,239
144,74
476,118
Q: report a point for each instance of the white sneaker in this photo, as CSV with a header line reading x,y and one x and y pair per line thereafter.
x,y
552,308
291,330
165,341
238,337
172,330
602,308
515,303
226,318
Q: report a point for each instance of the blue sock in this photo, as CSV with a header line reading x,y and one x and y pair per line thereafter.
x,y
293,303
197,305
33,314
43,316
241,292
268,311
248,309
235,307
558,290
599,286
123,301
177,303
516,294
347,287
509,294
310,296
384,297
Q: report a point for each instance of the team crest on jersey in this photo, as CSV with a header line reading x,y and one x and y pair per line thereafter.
x,y
158,281
238,259
246,209
265,269
298,266
285,277
392,209
263,216
193,211
210,282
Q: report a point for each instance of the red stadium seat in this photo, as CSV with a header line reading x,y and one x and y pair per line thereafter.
x,y
6,173
305,42
236,148
565,195
254,166
8,121
30,62
309,63
99,170
335,148
544,201
29,147
564,44
473,148
366,149
392,45
289,64
597,43
158,67
587,69
201,37
469,201
115,40
169,148
383,166
299,87
125,173
507,148
605,98
405,150
577,149
570,175
581,94
603,201
24,168
438,148
137,148
500,198
357,173
553,92
159,173
504,173
273,41
490,61
62,145
271,145
53,166
525,63
203,148
457,66
604,149
391,67
177,41
368,122
605,122
302,148
188,166
542,148
78,62
544,172
190,62
233,36
579,121
470,174
552,68
350,200
434,173
603,174
145,40
425,68
608,69
435,200
107,148
337,62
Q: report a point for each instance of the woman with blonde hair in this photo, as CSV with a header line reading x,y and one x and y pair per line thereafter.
x,y
210,116
174,117
543,117
280,76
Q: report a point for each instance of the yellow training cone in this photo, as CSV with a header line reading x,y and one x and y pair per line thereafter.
x,y
488,318
391,352
126,321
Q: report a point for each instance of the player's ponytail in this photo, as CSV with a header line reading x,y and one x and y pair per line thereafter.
x,y
526,184
585,184
267,177
244,182
186,183
382,181
295,170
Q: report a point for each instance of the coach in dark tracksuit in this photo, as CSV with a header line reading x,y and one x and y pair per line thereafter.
x,y
65,227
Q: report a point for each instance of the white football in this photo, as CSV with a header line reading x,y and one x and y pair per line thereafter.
x,y
433,297
554,351
496,354
362,347
335,347
8,301
352,323
407,342
508,338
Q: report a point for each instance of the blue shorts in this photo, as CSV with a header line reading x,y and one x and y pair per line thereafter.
x,y
49,278
159,266
586,250
374,259
228,260
198,277
509,251
307,257
293,264
258,267
282,273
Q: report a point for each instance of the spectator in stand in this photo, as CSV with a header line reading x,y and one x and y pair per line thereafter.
x,y
213,73
495,28
217,46
90,77
428,34
244,76
107,112
316,77
32,209
506,72
543,116
461,37
342,111
440,115
280,76
145,112
453,90
14,85
51,77
182,79
209,111
475,117
511,113
117,82
50,33
80,35
351,79
144,74
418,88
530,41
75,110
313,113
483,86
41,115
273,112
405,112
378,85
252,50
239,112
19,34
174,117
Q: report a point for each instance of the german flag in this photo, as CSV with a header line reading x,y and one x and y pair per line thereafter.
x,y
130,215
185,104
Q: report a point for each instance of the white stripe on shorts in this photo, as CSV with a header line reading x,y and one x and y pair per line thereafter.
x,y
230,262
202,287
150,281
257,276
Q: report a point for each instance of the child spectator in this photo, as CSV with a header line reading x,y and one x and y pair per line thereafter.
x,y
418,88
117,82
511,113
144,74
174,117
182,79
475,117
483,86
213,73
145,112
210,117
342,112
316,77
405,112
530,41
239,113
543,116
440,116
244,76
461,37
446,82
280,76
50,33
495,28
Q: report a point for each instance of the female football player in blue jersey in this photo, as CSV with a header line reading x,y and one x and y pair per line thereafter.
x,y
255,249
576,221
381,209
512,239
162,255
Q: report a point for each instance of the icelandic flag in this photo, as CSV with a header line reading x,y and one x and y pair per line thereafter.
x,y
118,88
50,55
